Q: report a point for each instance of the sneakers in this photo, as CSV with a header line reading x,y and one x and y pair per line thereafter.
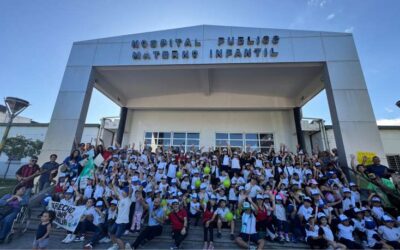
x,y
105,240
126,232
219,235
128,246
88,246
66,238
70,239
113,247
173,247
80,239
287,238
211,246
205,247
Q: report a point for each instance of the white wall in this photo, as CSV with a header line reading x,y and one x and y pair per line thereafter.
x,y
207,123
39,132
390,139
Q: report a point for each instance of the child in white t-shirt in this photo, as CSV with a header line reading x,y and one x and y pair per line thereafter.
x,y
374,241
281,220
194,208
345,233
233,196
389,232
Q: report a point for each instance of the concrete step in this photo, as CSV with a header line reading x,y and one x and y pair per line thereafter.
x,y
194,239
164,242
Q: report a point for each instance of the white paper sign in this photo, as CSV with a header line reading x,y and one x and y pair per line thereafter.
x,y
98,160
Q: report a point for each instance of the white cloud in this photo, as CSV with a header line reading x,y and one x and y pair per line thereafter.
x,y
389,110
349,29
330,16
389,122
320,3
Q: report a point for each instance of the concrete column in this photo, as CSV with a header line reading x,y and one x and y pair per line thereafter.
x,y
121,126
352,116
69,114
299,132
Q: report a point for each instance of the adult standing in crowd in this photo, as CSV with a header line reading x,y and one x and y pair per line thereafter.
x,y
155,223
50,167
378,169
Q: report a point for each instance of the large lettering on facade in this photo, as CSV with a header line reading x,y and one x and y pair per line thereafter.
x,y
226,47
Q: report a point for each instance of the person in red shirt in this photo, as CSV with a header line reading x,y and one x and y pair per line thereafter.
x,y
24,172
179,222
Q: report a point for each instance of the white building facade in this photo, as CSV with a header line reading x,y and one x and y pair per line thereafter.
x,y
213,85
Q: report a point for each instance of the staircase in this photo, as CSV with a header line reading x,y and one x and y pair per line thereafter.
x,y
194,240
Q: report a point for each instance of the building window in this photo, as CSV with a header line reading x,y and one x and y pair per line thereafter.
x,y
256,141
174,139
394,162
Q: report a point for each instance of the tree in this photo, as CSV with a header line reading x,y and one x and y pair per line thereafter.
x,y
20,147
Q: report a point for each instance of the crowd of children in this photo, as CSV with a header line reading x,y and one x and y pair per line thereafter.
x,y
269,196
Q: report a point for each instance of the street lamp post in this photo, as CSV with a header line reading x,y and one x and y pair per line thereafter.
x,y
14,107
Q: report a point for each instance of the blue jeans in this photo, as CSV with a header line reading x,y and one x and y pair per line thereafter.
x,y
6,224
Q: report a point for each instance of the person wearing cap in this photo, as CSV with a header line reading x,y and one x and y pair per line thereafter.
x,y
99,223
248,232
194,208
348,202
376,206
355,193
209,222
312,187
163,186
374,240
324,222
172,168
233,195
235,165
345,233
225,158
154,226
122,219
281,223
314,236
305,211
389,232
179,224
220,216
359,223
266,207
110,216
89,221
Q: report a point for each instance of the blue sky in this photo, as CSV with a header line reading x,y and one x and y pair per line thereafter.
x,y
36,38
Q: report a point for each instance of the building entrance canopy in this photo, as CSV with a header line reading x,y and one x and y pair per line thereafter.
x,y
217,68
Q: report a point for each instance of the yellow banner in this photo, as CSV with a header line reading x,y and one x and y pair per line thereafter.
x,y
369,155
